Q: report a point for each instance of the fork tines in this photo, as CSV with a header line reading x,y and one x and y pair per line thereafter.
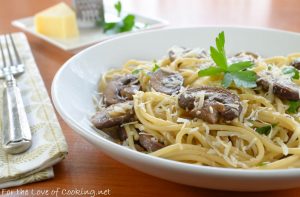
x,y
13,63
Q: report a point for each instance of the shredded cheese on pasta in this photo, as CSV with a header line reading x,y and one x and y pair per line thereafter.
x,y
235,144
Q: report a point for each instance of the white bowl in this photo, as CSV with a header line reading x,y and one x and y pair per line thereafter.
x,y
76,82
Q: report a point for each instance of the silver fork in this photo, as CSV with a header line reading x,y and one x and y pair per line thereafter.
x,y
16,134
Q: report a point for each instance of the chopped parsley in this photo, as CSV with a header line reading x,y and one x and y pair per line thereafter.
x,y
291,70
265,129
269,67
262,163
155,68
136,71
293,107
236,72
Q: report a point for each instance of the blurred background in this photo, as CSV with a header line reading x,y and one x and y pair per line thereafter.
x,y
263,13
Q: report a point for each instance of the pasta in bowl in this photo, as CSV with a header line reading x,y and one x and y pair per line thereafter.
x,y
159,110
169,109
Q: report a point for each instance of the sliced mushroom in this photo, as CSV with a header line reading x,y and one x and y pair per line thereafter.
x,y
296,63
176,52
242,57
166,81
120,89
122,133
211,104
114,115
128,91
273,80
150,143
284,89
139,148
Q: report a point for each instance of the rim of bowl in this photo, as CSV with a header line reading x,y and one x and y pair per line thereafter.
x,y
216,171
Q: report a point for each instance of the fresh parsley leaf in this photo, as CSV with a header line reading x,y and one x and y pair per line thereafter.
x,y
118,7
125,24
246,79
128,23
213,70
269,67
218,58
220,42
296,76
240,66
262,164
291,70
227,80
265,129
109,26
293,107
236,72
155,68
219,53
288,70
136,71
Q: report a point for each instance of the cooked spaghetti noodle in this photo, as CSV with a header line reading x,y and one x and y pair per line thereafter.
x,y
231,144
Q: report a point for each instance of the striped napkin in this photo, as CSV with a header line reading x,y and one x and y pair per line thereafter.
x,y
48,143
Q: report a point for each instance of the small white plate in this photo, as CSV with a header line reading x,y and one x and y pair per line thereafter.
x,y
87,36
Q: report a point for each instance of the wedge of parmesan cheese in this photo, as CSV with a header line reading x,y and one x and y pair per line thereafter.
x,y
57,21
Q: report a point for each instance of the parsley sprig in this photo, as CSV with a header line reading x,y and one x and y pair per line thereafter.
x,y
291,71
293,107
236,72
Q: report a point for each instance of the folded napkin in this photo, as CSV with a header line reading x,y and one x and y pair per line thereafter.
x,y
48,143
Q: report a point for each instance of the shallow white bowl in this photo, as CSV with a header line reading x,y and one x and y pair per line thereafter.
x,y
76,82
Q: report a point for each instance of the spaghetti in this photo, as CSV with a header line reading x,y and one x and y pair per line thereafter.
x,y
263,136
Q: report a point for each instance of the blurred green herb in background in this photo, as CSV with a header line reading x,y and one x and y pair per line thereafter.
x,y
118,7
127,23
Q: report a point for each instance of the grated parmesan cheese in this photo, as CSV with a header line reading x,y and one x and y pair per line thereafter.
x,y
285,149
193,130
248,124
244,104
206,128
142,106
253,141
182,120
254,113
211,110
199,101
227,149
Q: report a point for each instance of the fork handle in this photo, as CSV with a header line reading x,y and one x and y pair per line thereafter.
x,y
16,134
